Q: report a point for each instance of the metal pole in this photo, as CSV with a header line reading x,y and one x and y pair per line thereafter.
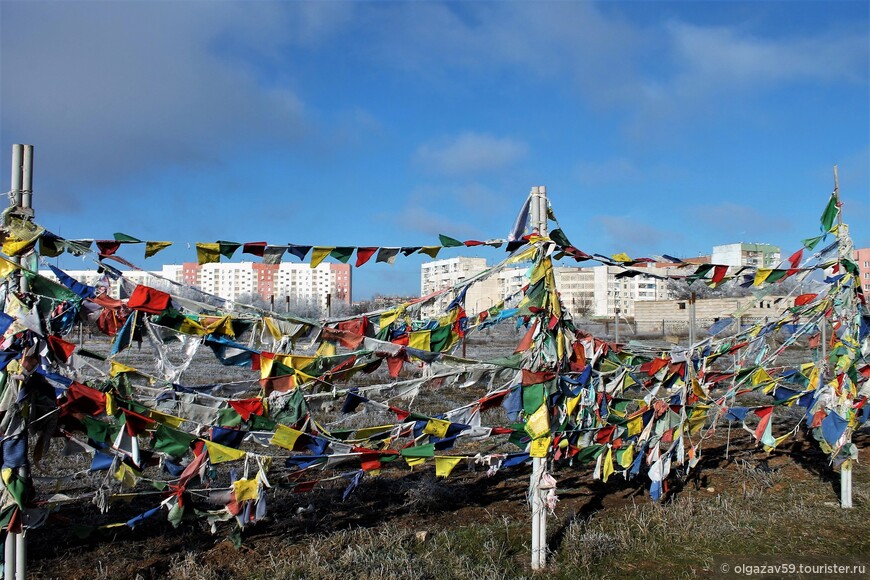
x,y
9,557
17,177
27,177
539,513
846,467
692,320
542,210
20,556
616,330
26,201
824,342
534,211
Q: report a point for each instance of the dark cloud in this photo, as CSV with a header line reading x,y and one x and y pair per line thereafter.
x,y
110,90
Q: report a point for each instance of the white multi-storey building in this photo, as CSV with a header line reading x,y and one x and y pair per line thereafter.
x,y
591,291
622,293
744,254
299,282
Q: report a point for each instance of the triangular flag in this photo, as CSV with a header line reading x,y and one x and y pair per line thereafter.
x,y
285,437
318,254
449,242
246,489
152,248
119,237
342,254
444,465
207,253
363,255
830,214
387,255
431,251
227,249
218,453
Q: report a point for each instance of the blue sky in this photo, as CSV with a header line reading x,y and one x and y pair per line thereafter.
x,y
657,127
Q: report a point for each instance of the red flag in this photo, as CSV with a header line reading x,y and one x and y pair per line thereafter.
x,y
795,261
363,255
60,348
148,300
719,273
804,299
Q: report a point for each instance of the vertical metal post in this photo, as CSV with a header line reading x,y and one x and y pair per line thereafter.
x,y
21,556
15,550
692,320
539,512
26,198
616,330
846,467
329,305
16,179
27,176
9,557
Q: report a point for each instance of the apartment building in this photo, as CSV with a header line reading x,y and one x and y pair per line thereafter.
x,y
862,258
298,282
744,254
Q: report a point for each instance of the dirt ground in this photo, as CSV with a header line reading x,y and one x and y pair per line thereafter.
x,y
414,501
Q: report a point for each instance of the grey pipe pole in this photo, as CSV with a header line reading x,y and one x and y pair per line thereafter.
x,y
27,177
17,159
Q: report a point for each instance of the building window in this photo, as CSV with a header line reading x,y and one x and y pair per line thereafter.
x,y
681,305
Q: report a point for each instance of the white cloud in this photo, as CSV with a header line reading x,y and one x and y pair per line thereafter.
x,y
470,153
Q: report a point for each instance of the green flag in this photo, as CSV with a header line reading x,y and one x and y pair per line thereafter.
x,y
829,214
449,242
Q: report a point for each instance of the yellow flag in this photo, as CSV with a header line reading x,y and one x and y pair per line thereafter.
x,y
540,446
635,425
415,461
246,489
436,427
126,475
623,257
265,367
295,361
110,404
7,267
607,465
444,465
538,423
285,437
117,368
697,419
420,340
769,448
761,275
571,404
367,432
523,256
272,328
152,248
627,457
388,317
207,253
318,254
166,419
326,348
218,453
